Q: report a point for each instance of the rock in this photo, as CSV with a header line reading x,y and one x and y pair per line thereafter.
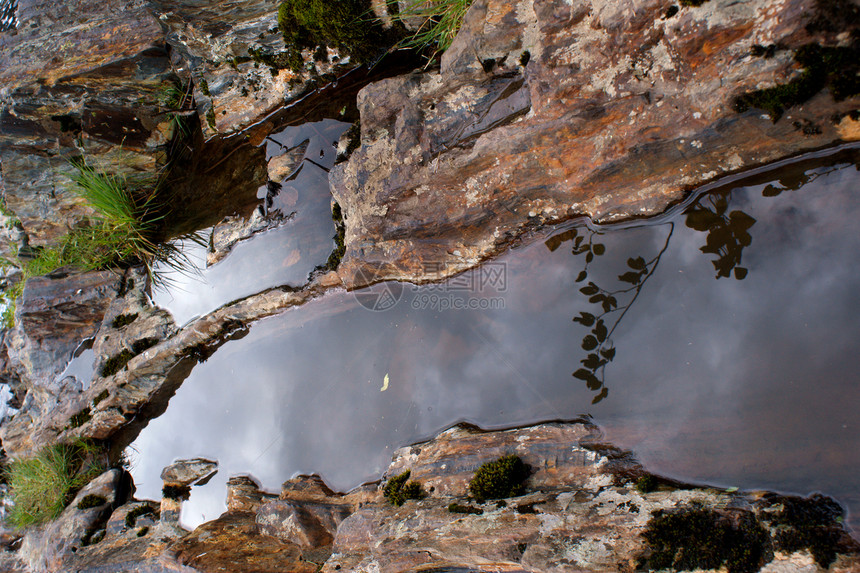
x,y
611,110
244,494
309,525
232,544
133,542
54,316
282,165
49,547
124,326
234,229
189,472
77,77
235,52
581,511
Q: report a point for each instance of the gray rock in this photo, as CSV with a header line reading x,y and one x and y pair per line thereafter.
x,y
188,472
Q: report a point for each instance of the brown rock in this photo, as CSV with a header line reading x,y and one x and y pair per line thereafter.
x,y
189,472
611,110
244,494
232,544
308,524
49,547
86,71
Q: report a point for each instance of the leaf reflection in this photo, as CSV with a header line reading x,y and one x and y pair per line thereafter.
x,y
608,309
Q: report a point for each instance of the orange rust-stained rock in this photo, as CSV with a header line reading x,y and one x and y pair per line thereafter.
x,y
543,111
232,544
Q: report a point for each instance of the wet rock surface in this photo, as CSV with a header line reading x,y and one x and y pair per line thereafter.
x,y
77,77
585,507
547,110
540,112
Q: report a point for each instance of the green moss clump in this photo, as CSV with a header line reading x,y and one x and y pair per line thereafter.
x,y
139,511
101,396
692,2
397,490
835,68
123,320
91,500
80,418
93,536
210,119
142,531
646,484
698,538
811,523
116,363
139,346
344,25
498,479
339,238
204,87
200,352
460,508
176,492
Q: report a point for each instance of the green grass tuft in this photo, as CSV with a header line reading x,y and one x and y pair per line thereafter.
x,y
42,486
440,22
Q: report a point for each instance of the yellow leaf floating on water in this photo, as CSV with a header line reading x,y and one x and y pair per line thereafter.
x,y
384,384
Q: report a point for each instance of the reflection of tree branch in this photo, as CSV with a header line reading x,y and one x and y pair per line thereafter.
x,y
727,234
599,341
655,261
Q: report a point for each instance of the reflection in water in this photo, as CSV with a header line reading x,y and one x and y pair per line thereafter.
x,y
749,383
727,234
599,342
284,255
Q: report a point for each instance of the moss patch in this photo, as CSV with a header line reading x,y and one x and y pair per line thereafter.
x,y
692,2
132,516
101,396
116,363
123,320
91,500
176,492
139,346
80,418
339,238
811,523
345,25
697,538
397,490
93,536
646,484
210,119
460,508
142,531
835,68
498,479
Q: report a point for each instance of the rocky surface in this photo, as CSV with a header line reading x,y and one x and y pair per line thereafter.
x,y
76,78
584,507
543,111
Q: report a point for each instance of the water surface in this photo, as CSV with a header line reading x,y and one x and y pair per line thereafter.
x,y
734,366
284,255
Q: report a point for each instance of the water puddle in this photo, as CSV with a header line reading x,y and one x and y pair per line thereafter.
x,y
718,342
283,255
80,367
